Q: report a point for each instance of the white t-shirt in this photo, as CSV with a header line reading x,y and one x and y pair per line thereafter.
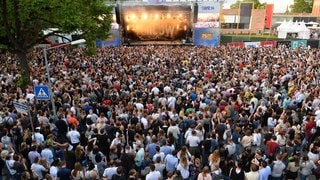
x,y
153,175
74,136
193,141
109,172
38,137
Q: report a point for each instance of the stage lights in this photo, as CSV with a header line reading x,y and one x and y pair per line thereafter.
x,y
144,16
156,16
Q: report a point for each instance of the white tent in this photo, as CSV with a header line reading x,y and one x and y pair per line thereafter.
x,y
282,29
293,27
304,32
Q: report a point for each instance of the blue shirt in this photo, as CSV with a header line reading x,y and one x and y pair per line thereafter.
x,y
235,137
166,149
171,162
264,173
152,149
139,157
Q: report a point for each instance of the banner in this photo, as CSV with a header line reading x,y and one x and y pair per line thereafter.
x,y
252,44
235,44
206,37
284,43
156,1
298,44
208,15
269,13
268,44
313,43
113,40
245,15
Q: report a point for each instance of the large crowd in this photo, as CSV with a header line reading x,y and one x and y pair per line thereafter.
x,y
164,112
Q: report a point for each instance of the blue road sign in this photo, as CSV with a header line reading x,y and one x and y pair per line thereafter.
x,y
21,108
42,92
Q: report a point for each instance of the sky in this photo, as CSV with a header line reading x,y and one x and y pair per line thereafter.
x,y
280,6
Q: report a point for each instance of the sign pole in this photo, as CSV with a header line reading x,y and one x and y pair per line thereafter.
x,y
31,121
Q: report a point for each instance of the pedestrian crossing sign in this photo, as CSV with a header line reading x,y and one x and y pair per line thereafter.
x,y
42,92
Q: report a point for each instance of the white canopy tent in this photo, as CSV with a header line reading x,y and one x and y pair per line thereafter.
x,y
304,32
293,27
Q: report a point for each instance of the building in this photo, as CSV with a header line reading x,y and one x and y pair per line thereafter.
x,y
316,8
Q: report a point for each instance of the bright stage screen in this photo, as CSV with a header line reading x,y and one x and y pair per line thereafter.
x,y
161,23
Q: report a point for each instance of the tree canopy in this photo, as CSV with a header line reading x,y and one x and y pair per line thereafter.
x,y
23,21
302,6
257,4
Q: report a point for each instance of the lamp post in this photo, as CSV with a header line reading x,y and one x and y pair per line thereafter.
x,y
80,41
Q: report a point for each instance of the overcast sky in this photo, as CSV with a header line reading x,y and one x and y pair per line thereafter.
x,y
280,6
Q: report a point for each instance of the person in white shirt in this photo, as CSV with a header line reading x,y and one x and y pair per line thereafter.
x,y
159,154
74,137
155,90
193,141
153,175
256,140
93,116
174,129
38,137
110,171
183,167
231,147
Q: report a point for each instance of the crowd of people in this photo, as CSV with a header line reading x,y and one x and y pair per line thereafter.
x,y
164,112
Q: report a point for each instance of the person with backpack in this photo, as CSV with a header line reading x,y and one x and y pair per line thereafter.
x,y
277,168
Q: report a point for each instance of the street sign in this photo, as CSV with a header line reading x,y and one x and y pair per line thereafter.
x,y
42,92
21,108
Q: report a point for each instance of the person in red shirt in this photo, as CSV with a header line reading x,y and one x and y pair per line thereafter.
x,y
309,125
272,147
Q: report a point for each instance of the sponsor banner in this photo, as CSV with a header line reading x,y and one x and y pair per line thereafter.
x,y
156,1
113,40
298,44
208,15
268,44
313,43
206,37
236,44
252,44
269,13
209,7
284,43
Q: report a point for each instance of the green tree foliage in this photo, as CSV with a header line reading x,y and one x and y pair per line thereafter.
x,y
302,6
22,23
257,4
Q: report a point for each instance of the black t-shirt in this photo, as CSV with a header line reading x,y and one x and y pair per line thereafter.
x,y
207,145
236,176
64,173
118,177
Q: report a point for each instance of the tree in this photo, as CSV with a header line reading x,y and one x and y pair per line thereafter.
x,y
302,6
22,23
257,4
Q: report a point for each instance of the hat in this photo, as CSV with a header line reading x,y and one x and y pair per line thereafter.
x,y
37,128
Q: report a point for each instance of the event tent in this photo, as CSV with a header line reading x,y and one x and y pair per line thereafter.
x,y
293,27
